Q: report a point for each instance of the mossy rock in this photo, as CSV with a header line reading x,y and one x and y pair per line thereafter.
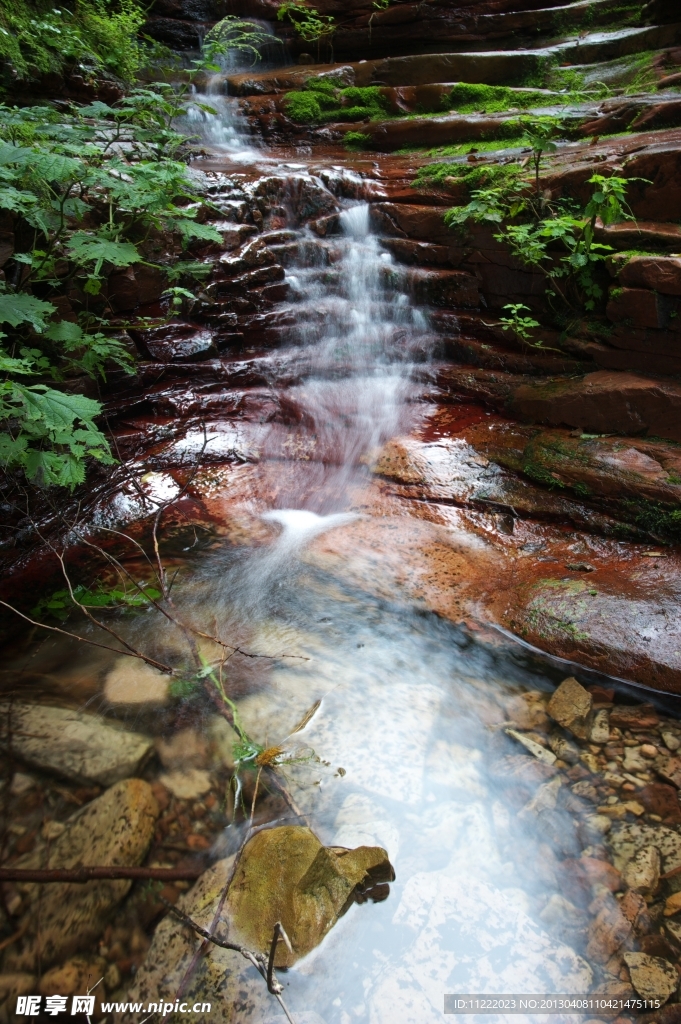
x,y
285,874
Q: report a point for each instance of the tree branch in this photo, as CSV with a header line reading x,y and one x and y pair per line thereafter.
x,y
84,640
259,960
86,874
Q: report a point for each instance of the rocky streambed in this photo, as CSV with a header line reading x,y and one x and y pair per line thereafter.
x,y
378,635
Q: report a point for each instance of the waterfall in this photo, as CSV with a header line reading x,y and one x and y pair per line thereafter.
x,y
214,117
358,335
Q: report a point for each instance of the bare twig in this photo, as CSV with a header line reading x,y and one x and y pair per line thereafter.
x,y
259,960
174,618
278,935
88,614
255,796
13,938
93,643
86,874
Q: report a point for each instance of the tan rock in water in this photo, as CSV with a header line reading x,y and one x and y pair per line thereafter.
x,y
571,706
642,873
81,747
280,872
133,683
114,829
652,976
74,977
285,874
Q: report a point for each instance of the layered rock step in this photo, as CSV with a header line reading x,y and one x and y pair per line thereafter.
x,y
493,67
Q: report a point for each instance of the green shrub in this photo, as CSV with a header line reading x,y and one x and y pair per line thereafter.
x,y
80,210
37,38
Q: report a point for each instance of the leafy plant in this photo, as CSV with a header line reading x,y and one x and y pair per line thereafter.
x,y
539,135
96,36
60,603
561,245
308,23
534,243
114,169
238,35
522,326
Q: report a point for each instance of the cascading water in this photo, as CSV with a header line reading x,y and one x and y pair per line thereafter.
x,y
412,708
405,701
357,336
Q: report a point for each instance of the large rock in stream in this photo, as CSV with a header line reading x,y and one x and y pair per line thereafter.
x,y
80,747
62,918
283,874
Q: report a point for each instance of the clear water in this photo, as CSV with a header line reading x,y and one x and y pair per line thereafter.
x,y
411,706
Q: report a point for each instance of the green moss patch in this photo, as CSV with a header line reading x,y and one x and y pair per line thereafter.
x,y
494,99
321,102
473,177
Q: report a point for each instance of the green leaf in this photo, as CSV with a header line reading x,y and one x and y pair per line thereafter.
x,y
21,308
16,200
14,154
55,408
65,331
86,248
190,229
51,468
12,449
54,167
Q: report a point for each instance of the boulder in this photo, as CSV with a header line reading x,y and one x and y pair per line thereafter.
x,y
282,874
176,343
135,286
608,932
81,747
490,68
285,874
186,748
630,234
660,273
651,976
392,134
627,357
647,341
663,800
641,308
62,918
604,402
443,287
571,707
626,839
186,784
223,979
634,716
74,977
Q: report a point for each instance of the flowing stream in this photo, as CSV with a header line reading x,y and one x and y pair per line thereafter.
x,y
411,708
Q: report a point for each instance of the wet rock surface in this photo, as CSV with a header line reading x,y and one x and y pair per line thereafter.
x,y
286,875
78,746
499,487
115,829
